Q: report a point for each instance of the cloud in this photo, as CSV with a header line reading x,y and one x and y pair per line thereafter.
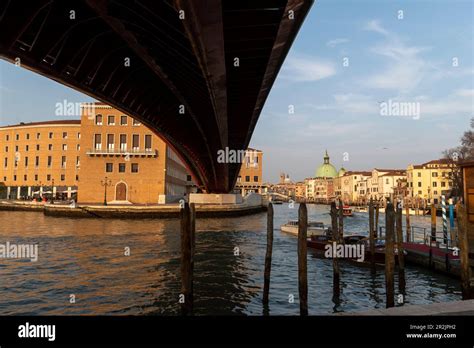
x,y
304,69
335,42
465,92
374,25
404,67
454,104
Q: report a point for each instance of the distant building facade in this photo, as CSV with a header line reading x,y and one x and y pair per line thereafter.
x,y
76,158
250,174
141,168
40,159
430,180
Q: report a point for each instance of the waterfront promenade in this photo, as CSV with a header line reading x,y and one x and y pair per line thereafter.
x,y
447,308
171,210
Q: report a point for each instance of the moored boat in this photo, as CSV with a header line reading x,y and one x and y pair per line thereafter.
x,y
346,210
320,243
315,228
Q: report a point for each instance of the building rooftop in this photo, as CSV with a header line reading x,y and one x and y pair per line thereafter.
x,y
43,123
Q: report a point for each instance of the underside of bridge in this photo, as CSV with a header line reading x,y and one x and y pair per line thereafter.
x,y
196,72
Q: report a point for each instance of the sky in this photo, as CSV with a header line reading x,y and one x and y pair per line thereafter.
x,y
350,60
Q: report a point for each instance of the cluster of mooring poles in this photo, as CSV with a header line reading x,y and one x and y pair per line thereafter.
x,y
393,241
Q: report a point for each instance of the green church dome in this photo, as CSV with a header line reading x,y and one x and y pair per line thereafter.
x,y
341,172
326,170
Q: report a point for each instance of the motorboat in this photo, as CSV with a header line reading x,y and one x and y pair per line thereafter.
x,y
315,228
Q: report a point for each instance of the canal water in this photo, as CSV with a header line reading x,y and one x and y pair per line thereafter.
x,y
84,260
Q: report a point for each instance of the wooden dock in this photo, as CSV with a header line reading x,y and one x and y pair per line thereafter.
x,y
444,308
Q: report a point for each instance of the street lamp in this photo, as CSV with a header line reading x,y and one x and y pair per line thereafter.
x,y
52,191
106,182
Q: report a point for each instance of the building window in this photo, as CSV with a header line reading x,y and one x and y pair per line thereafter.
x,y
98,141
135,142
435,201
134,167
6,148
25,177
78,161
50,161
78,135
5,164
77,177
27,147
48,177
78,147
435,184
98,120
121,167
63,177
435,192
27,136
123,142
109,167
123,120
434,174
419,184
50,135
64,147
443,184
63,162
111,120
16,148
64,135
50,147
36,177
255,178
7,137
17,136
110,141
26,162
37,147
135,122
37,161
38,135
419,174
247,178
188,178
148,142
14,177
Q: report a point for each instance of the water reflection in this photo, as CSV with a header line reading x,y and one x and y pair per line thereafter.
x,y
85,257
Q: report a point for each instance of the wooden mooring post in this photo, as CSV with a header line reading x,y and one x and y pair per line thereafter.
x,y
341,221
188,219
433,235
376,229
461,216
335,264
407,223
303,259
400,255
389,254
268,254
372,237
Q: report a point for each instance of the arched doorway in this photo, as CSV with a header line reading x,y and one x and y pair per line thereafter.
x,y
121,192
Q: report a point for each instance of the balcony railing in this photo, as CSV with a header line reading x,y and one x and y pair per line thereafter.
x,y
122,152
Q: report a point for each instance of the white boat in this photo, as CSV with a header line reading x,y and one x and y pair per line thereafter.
x,y
315,228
